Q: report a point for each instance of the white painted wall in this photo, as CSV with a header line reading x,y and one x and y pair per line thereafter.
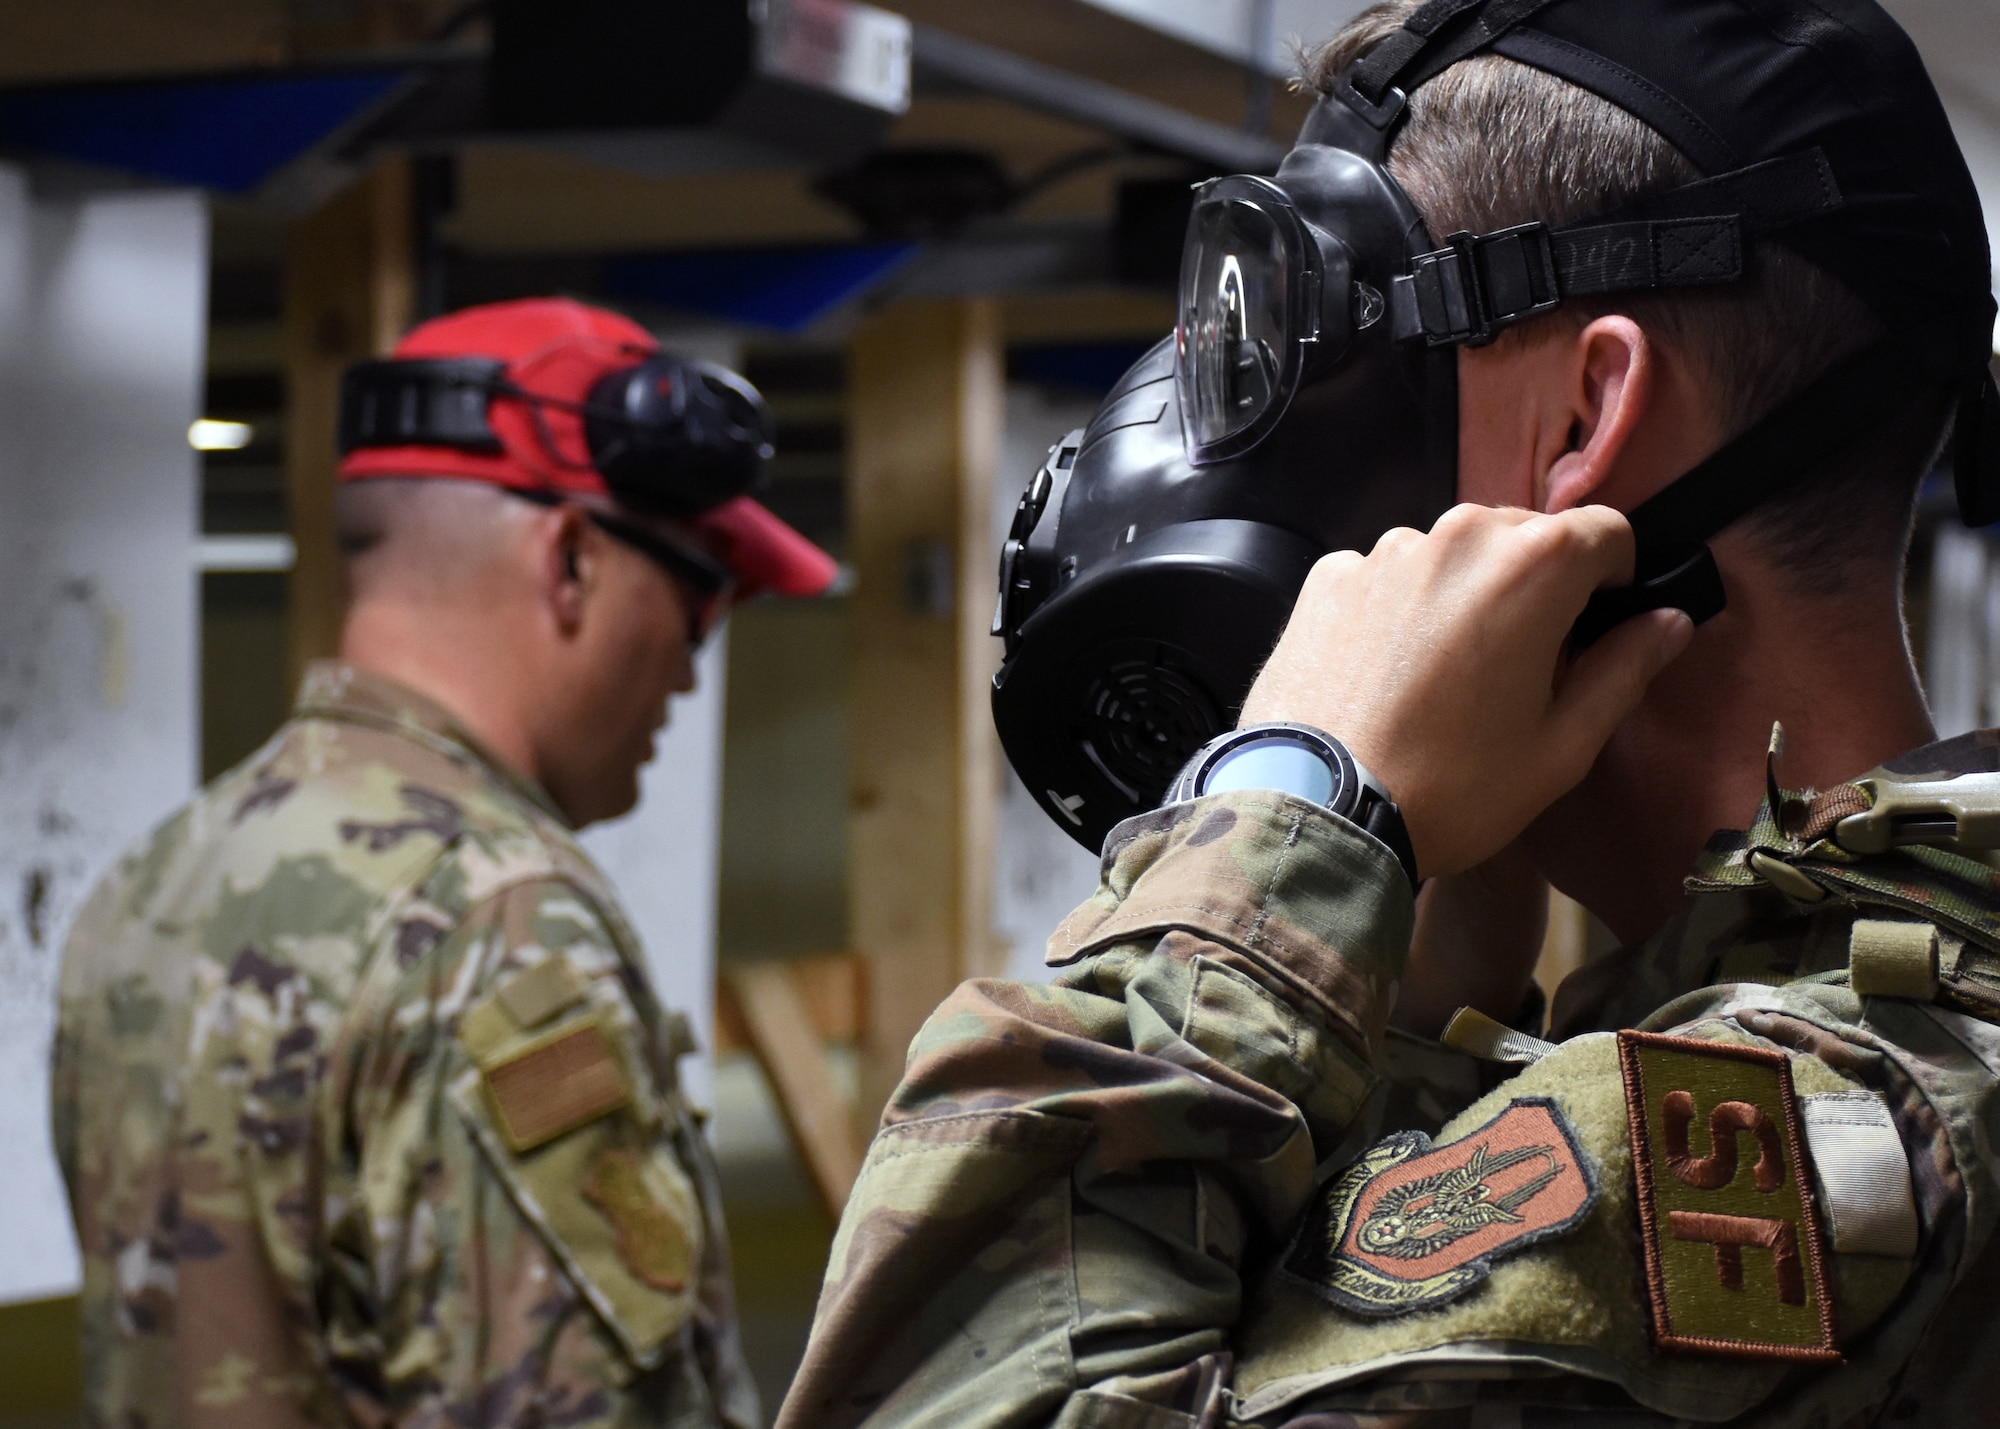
x,y
1041,873
665,858
103,315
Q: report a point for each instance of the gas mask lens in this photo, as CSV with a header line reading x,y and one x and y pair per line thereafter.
x,y
1236,338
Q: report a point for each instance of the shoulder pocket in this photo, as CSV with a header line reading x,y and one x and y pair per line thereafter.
x,y
554,1109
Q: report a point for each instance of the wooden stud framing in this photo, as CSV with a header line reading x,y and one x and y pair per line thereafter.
x,y
770,1003
924,415
350,291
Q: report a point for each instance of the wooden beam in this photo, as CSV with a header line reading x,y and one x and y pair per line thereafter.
x,y
924,416
769,1002
349,293
835,989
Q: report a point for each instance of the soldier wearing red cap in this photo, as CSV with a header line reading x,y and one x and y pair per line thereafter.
x,y
367,1111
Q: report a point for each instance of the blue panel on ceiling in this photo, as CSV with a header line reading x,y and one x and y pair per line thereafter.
x,y
228,134
1090,367
788,289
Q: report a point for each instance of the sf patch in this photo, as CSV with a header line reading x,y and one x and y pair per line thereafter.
x,y
1734,1257
1411,1225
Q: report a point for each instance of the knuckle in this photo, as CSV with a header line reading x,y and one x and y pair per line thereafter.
x,y
1546,538
1467,525
1458,517
1396,540
1329,572
1332,566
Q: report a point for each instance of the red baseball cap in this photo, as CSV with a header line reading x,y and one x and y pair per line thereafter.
x,y
559,349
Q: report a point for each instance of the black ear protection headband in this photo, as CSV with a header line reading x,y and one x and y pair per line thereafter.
x,y
1309,399
670,436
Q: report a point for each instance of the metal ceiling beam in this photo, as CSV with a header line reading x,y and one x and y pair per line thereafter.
x,y
940,55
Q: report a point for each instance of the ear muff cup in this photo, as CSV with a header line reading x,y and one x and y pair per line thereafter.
x,y
675,437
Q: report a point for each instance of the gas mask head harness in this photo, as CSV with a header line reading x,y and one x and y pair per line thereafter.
x,y
1308,401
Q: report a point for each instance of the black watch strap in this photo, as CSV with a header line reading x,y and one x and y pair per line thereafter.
x,y
1356,796
1379,815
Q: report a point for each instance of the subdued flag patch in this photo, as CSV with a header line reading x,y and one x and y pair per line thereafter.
x,y
1734,1258
652,1241
1412,1225
554,1085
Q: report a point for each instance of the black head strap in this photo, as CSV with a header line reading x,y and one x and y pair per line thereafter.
x,y
428,402
1429,43
1806,434
1695,235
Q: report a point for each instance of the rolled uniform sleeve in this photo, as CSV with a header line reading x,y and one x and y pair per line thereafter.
x,y
1054,1220
521,1227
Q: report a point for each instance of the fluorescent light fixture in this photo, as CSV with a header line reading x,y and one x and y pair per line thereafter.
x,y
209,435
245,553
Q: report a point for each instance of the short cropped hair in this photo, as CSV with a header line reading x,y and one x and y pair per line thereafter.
x,y
419,537
1491,143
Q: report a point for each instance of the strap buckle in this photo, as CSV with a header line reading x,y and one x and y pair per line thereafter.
x,y
1481,285
1961,813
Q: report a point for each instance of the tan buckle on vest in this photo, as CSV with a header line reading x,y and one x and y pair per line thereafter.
x,y
1961,813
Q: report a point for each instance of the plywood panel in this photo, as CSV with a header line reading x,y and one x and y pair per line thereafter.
x,y
924,432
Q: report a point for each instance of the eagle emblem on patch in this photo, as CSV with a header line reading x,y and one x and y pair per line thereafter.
x,y
1413,1224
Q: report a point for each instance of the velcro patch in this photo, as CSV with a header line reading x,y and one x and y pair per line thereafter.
x,y
536,996
653,1241
554,1085
1734,1257
1412,1225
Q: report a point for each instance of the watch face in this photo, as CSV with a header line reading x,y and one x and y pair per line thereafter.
x,y
1275,761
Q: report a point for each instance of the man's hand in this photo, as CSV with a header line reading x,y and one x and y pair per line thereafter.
x,y
1440,660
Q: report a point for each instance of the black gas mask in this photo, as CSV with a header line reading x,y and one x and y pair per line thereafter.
x,y
1308,401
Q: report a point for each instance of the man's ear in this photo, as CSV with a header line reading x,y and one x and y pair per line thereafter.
x,y
1611,368
568,561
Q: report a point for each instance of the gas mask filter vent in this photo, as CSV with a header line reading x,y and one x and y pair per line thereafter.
x,y
1146,719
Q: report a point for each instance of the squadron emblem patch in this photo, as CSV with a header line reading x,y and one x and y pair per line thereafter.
x,y
1412,1225
1734,1261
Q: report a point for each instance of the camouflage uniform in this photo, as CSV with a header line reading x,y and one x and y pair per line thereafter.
x,y
1127,1199
368,1114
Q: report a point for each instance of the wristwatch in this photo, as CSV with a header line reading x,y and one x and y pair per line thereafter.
x,y
1305,762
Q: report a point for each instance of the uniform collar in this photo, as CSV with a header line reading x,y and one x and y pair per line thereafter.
x,y
332,690
1784,886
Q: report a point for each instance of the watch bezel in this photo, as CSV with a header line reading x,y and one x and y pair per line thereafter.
x,y
1348,780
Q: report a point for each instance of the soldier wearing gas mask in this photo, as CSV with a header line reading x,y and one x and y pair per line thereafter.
x,y
1640,322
